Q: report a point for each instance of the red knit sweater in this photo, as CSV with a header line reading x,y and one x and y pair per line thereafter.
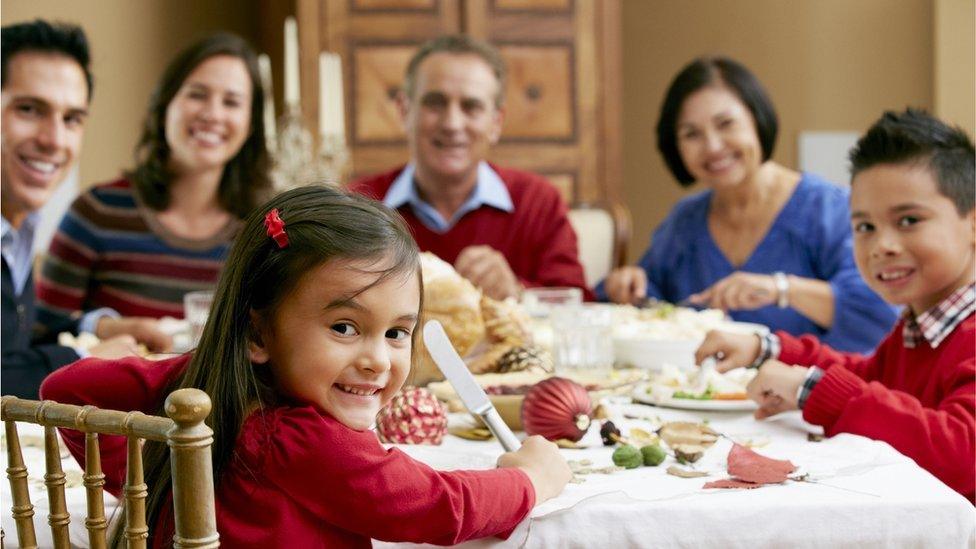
x,y
920,400
536,238
300,478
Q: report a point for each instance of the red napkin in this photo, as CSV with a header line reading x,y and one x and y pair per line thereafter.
x,y
751,470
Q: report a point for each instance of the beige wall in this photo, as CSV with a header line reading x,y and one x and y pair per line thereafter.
x,y
955,57
131,41
828,65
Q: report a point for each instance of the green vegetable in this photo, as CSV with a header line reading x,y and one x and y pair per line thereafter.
x,y
653,455
628,457
707,395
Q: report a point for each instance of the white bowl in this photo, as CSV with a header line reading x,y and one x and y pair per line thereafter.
x,y
651,354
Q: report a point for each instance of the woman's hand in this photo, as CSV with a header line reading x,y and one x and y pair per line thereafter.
x,y
145,330
626,285
738,291
115,347
733,350
546,467
775,388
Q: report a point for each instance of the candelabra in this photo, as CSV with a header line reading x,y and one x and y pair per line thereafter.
x,y
296,163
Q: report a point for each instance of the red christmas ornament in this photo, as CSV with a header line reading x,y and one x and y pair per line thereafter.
x,y
414,416
557,408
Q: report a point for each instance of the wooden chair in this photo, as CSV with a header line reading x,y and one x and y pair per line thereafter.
x,y
189,440
603,234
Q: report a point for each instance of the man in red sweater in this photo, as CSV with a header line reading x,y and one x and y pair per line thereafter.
x,y
914,221
503,229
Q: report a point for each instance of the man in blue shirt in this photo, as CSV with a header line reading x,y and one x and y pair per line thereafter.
x,y
46,88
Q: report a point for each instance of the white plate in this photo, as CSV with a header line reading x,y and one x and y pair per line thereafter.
x,y
745,405
652,353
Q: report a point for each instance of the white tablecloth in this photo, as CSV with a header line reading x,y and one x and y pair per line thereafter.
x,y
866,495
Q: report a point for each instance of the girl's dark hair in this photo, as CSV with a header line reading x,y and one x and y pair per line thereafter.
x,y
701,73
245,181
322,224
914,136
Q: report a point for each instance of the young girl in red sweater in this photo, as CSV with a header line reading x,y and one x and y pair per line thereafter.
x,y
310,335
914,223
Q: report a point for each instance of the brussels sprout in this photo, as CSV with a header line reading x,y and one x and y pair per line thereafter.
x,y
653,455
628,457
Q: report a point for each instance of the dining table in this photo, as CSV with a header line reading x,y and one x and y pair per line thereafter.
x,y
849,491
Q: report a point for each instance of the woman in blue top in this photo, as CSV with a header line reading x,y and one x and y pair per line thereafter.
x,y
766,243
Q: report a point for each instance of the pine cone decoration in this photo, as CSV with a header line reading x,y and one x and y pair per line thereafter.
x,y
525,359
414,416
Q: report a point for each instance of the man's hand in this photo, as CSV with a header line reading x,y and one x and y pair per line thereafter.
x,y
775,387
145,330
115,347
487,269
626,285
738,291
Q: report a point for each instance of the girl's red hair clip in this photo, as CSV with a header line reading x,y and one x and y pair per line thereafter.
x,y
276,228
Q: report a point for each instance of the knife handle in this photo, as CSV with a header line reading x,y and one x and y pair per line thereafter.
x,y
501,431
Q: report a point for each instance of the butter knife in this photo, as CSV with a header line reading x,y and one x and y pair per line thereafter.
x,y
472,395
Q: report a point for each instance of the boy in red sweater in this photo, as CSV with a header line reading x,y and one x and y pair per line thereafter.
x,y
914,223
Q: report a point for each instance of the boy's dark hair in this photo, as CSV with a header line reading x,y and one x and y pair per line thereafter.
x,y
323,224
245,181
914,136
42,36
713,71
457,44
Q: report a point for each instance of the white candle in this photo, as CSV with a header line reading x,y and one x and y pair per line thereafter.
x,y
270,132
292,94
331,105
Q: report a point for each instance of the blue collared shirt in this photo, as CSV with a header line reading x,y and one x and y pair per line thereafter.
x,y
489,190
16,247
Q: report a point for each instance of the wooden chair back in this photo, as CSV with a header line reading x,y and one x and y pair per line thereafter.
x,y
189,440
603,235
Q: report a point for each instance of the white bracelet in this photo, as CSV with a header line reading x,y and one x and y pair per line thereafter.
x,y
782,289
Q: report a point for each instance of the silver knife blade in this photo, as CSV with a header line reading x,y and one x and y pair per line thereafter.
x,y
471,394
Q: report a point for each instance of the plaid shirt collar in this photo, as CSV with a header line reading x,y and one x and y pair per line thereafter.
x,y
935,324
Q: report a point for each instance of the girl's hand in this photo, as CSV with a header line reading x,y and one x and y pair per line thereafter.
x,y
775,388
735,350
546,467
738,291
626,285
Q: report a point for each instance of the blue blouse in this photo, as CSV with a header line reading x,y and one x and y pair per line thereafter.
x,y
810,238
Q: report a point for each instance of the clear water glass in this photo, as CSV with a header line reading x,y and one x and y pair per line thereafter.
x,y
582,339
196,309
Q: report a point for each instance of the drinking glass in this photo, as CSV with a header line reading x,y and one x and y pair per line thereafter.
x,y
582,339
196,309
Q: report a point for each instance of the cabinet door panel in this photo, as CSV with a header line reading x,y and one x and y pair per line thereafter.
x,y
539,93
377,80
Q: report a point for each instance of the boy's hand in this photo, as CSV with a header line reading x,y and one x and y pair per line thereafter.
x,y
626,285
735,350
546,467
775,387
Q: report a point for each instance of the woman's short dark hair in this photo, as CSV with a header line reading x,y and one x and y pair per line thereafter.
x,y
712,71
245,181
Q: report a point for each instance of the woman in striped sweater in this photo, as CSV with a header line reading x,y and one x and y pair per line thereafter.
x,y
130,249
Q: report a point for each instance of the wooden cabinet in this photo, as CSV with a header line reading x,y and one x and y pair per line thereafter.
x,y
562,96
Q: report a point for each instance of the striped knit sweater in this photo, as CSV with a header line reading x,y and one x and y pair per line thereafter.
x,y
111,251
